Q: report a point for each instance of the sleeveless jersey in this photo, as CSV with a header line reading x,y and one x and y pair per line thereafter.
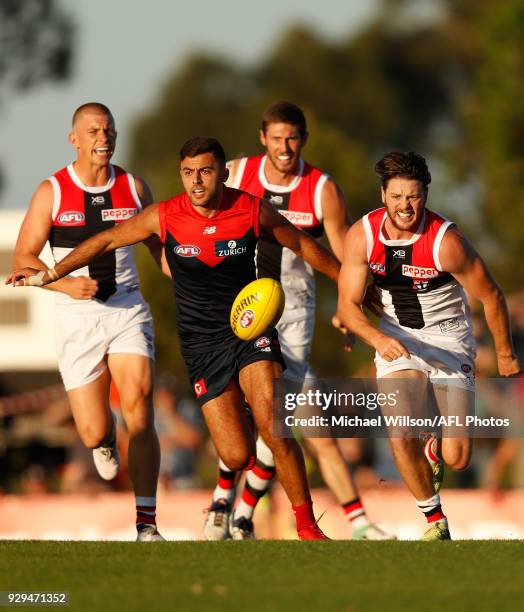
x,y
300,203
211,260
417,294
80,212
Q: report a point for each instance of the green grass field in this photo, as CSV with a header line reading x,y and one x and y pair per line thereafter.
x,y
271,575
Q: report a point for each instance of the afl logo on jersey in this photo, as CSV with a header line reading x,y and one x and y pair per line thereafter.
x,y
187,250
71,217
262,342
247,318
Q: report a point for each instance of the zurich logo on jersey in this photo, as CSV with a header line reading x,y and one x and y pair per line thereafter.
x,y
71,217
226,248
187,250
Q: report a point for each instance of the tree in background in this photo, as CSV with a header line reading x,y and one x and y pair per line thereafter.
x,y
36,41
447,86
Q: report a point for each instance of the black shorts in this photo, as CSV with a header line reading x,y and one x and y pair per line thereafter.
x,y
211,372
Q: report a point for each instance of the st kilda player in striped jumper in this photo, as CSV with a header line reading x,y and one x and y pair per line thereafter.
x,y
210,234
422,264
104,328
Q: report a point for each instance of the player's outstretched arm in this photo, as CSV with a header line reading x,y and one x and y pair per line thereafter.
x,y
153,243
33,235
352,285
129,232
275,227
459,258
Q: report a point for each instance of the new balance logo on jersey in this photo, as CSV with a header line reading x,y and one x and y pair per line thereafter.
x,y
187,250
276,200
417,272
118,214
97,200
71,217
399,254
226,248
210,229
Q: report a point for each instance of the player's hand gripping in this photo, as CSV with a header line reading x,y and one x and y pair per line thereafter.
x,y
79,287
390,348
508,365
28,277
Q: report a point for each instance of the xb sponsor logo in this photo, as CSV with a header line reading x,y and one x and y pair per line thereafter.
x,y
187,250
399,254
71,217
210,229
276,200
227,248
96,200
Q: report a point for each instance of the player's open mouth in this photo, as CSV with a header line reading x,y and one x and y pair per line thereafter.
x,y
284,157
406,215
199,192
103,151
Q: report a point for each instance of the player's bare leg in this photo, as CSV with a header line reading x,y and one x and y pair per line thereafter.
x,y
232,434
413,465
339,479
133,377
95,424
256,381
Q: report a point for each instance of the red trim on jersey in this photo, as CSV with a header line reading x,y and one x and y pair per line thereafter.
x,y
301,198
198,234
71,209
423,265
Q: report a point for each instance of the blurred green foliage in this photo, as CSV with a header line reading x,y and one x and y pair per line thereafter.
x,y
450,87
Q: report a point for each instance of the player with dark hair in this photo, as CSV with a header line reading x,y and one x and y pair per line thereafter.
x,y
421,264
311,201
210,234
104,328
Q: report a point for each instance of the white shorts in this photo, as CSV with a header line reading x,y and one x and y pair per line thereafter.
x,y
295,340
455,360
83,341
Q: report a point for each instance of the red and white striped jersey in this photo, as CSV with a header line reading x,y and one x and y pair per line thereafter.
x,y
81,211
417,294
300,202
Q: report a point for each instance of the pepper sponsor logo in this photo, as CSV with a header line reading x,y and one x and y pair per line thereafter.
x,y
71,217
187,250
118,214
298,218
418,272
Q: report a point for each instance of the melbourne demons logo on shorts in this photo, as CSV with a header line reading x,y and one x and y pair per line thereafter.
x,y
200,387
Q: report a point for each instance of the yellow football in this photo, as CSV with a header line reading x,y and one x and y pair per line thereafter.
x,y
257,306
